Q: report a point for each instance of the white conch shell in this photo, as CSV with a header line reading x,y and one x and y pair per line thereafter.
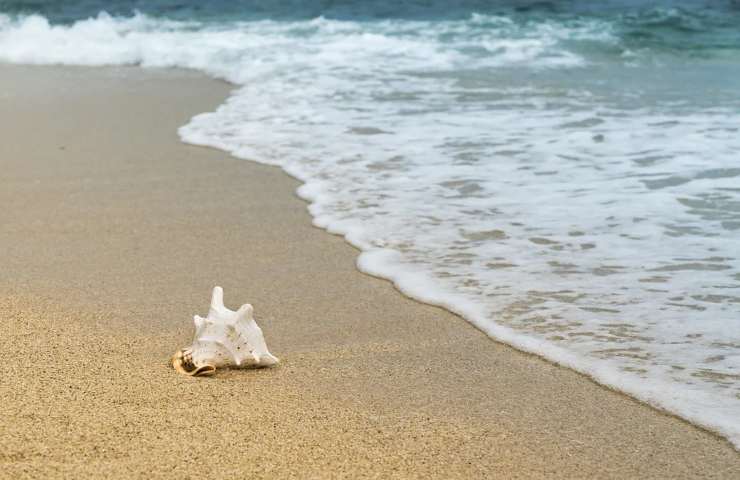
x,y
224,338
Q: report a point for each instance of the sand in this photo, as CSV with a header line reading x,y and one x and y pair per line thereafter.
x,y
112,234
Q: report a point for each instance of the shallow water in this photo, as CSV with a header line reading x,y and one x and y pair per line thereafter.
x,y
564,175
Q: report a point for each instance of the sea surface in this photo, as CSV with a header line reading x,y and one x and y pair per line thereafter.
x,y
565,175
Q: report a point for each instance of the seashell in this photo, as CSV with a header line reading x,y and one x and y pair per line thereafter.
x,y
224,338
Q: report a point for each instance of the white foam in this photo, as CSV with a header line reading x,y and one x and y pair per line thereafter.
x,y
568,218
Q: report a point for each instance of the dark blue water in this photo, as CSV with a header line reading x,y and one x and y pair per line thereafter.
x,y
700,27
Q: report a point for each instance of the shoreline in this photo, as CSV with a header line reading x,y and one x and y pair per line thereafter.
x,y
116,232
377,262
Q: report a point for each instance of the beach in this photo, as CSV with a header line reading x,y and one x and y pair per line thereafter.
x,y
113,234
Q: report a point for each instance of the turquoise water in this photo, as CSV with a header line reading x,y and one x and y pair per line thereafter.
x,y
564,175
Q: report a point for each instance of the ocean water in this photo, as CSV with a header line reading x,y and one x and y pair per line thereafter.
x,y
565,175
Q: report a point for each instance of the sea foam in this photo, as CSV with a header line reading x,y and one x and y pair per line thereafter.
x,y
566,194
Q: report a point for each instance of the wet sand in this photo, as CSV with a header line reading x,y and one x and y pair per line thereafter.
x,y
112,235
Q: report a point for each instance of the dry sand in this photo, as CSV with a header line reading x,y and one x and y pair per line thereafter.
x,y
112,234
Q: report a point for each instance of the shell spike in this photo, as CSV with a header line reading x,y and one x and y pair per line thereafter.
x,y
217,299
245,312
268,359
200,324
